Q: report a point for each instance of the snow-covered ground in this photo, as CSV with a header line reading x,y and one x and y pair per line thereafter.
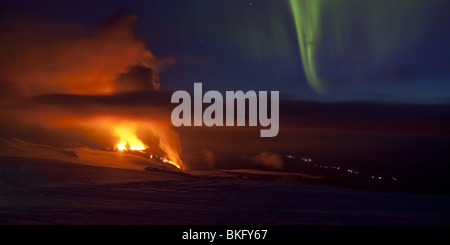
x,y
47,185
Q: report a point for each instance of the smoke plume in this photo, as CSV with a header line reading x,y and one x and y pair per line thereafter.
x,y
45,58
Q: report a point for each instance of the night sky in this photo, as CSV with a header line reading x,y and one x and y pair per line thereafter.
x,y
364,89
350,50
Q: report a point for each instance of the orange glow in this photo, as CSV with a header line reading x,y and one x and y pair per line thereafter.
x,y
121,147
127,133
170,162
128,139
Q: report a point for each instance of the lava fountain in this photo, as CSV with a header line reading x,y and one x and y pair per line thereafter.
x,y
129,134
128,139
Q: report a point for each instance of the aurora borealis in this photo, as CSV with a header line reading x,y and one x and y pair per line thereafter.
x,y
307,18
224,112
368,33
348,50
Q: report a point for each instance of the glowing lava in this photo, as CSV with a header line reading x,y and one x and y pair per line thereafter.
x,y
121,147
128,139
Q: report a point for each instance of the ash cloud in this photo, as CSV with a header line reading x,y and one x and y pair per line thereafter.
x,y
46,58
69,86
72,77
138,78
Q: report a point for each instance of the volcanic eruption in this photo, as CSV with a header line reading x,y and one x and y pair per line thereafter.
x,y
81,87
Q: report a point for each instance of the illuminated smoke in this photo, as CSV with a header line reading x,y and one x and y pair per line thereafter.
x,y
91,72
43,58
